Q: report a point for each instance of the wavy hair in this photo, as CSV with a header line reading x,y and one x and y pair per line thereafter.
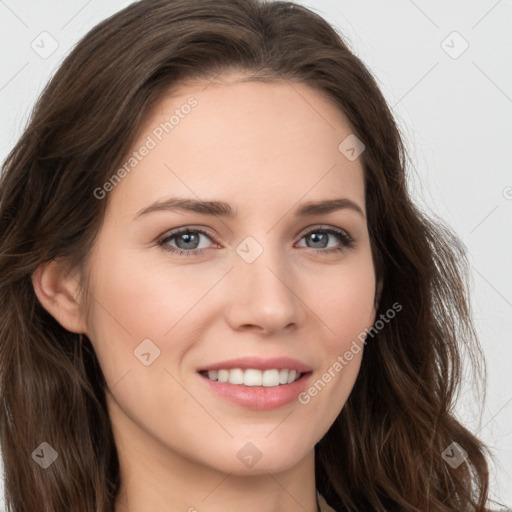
x,y
384,450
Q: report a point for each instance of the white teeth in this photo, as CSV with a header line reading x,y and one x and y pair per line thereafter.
x,y
270,378
253,377
236,376
223,375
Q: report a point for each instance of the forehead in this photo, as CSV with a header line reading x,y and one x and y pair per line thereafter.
x,y
234,138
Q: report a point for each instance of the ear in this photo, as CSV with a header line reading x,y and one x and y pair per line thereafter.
x,y
57,290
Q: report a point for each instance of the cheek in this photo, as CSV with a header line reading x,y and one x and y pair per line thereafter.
x,y
140,309
347,311
129,307
138,299
346,301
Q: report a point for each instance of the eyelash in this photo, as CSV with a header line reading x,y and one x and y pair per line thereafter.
x,y
341,235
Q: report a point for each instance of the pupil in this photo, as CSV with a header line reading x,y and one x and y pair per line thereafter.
x,y
188,237
318,238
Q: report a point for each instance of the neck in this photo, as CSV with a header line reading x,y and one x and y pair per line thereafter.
x,y
156,478
147,487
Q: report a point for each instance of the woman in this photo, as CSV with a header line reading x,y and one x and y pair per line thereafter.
x,y
218,293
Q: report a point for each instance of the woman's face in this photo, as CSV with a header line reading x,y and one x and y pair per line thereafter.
x,y
266,282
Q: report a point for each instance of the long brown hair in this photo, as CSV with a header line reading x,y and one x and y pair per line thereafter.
x,y
384,451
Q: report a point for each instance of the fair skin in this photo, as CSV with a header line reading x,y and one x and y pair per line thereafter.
x,y
266,149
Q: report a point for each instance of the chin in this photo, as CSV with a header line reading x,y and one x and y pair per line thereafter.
x,y
260,454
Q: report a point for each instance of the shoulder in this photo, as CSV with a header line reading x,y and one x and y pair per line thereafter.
x,y
324,507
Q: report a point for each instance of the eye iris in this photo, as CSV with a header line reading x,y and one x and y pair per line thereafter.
x,y
189,239
318,237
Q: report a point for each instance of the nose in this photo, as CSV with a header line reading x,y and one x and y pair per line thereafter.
x,y
264,296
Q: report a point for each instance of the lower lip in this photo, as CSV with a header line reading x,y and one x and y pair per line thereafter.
x,y
259,397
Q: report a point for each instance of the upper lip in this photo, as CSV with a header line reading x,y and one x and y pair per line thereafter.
x,y
258,363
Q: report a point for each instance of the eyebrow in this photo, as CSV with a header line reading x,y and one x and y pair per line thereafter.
x,y
223,209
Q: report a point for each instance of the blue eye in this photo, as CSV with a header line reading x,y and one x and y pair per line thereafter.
x,y
188,239
341,235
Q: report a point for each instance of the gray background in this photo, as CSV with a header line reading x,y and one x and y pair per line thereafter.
x,y
453,105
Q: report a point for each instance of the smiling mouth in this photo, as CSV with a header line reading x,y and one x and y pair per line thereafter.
x,y
253,377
